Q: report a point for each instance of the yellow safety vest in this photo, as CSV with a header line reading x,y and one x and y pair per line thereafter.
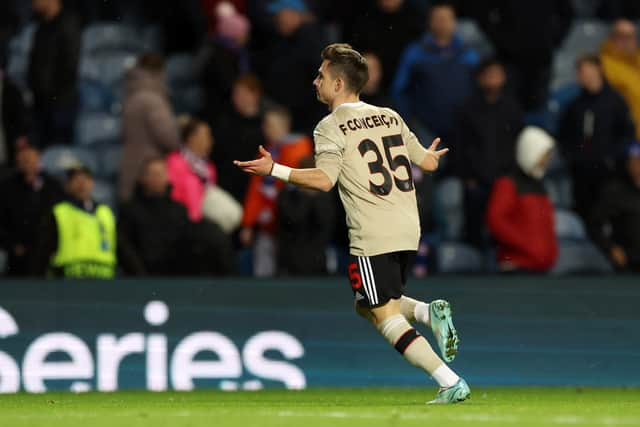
x,y
86,242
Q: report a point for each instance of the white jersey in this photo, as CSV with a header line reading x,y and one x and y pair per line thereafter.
x,y
367,151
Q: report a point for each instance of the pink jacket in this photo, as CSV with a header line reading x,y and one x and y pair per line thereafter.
x,y
188,188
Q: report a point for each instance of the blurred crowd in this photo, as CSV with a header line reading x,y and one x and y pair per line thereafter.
x,y
119,123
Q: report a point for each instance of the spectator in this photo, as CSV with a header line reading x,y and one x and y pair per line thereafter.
x,y
53,71
593,132
239,134
615,220
435,74
14,123
183,24
520,213
149,128
384,30
192,176
260,206
621,63
27,196
306,220
78,238
290,62
525,34
224,58
153,229
373,93
484,142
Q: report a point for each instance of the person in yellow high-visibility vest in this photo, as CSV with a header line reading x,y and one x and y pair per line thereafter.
x,y
79,238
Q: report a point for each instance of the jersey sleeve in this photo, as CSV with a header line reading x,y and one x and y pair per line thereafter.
x,y
417,152
329,149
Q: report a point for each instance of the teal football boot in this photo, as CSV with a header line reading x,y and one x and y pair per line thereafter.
x,y
454,394
443,329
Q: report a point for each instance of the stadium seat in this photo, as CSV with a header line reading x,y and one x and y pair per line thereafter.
x,y
57,159
560,190
105,192
569,225
580,257
108,37
448,208
21,42
109,165
187,99
454,257
95,97
474,37
17,68
97,128
108,69
180,70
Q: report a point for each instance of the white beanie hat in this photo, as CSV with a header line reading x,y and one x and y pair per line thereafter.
x,y
533,144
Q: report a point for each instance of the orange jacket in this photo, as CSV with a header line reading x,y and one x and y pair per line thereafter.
x,y
262,194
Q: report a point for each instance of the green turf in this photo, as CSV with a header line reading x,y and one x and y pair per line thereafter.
x,y
326,407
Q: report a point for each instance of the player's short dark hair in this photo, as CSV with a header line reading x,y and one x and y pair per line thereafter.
x,y
348,64
487,63
588,58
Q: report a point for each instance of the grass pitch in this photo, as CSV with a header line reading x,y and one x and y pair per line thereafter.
x,y
326,407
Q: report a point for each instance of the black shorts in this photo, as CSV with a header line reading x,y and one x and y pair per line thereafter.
x,y
377,279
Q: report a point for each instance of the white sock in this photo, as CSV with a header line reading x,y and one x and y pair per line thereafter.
x,y
421,313
444,376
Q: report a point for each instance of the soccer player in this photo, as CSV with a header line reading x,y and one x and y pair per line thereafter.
x,y
367,151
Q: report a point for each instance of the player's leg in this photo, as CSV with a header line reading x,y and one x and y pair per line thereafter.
x,y
437,316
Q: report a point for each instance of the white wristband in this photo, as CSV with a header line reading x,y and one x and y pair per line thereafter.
x,y
281,172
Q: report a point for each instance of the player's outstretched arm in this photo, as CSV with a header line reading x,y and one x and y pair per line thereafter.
x,y
313,178
432,159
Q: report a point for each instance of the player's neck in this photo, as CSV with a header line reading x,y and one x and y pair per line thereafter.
x,y
344,99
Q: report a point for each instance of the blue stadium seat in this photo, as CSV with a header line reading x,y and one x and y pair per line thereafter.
x,y
448,208
107,37
97,129
110,157
580,257
187,99
108,69
105,192
57,159
180,70
95,97
569,225
454,257
21,42
474,37
17,68
560,190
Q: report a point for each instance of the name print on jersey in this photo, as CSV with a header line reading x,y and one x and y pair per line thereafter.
x,y
368,122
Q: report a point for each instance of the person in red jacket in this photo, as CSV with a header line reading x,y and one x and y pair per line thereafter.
x,y
261,200
520,213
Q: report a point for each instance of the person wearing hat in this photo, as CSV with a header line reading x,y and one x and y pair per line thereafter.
x,y
78,239
520,212
614,223
27,195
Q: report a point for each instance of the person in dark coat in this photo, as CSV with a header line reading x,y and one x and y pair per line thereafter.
x,y
289,63
614,223
435,74
27,196
306,220
152,228
53,71
525,35
593,132
223,58
373,93
15,124
484,139
238,133
385,29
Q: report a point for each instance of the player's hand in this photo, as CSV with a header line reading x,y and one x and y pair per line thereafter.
x,y
432,160
261,166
